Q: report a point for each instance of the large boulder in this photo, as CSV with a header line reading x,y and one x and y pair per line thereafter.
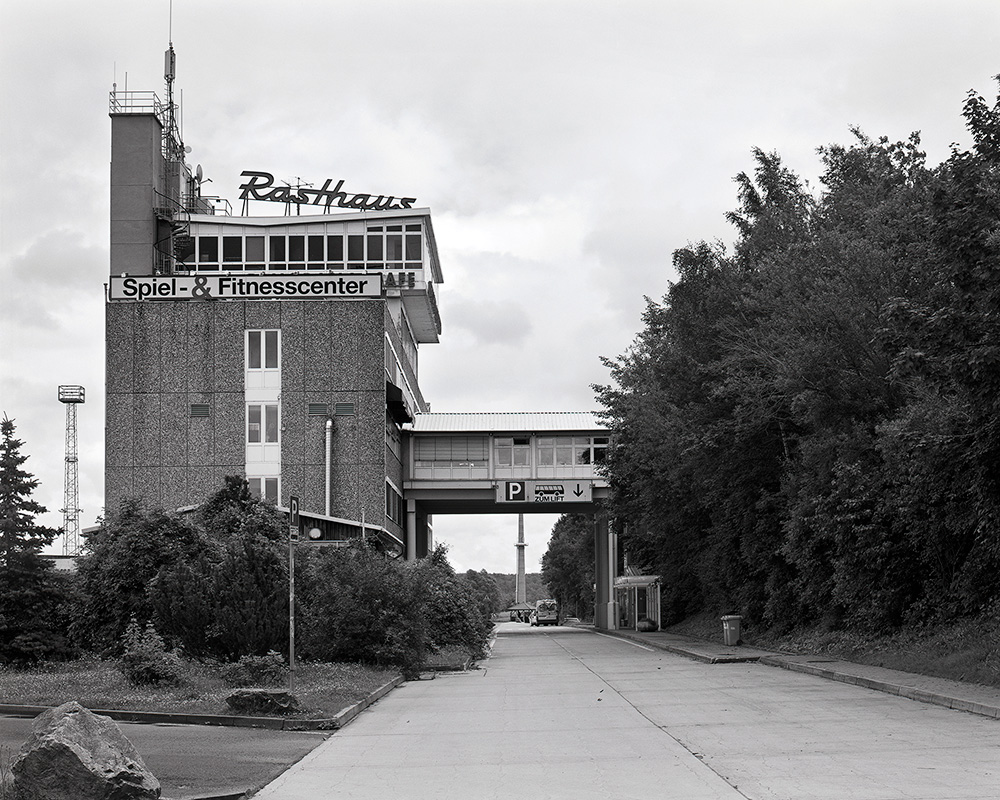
x,y
263,701
74,753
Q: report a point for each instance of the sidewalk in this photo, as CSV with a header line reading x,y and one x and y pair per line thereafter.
x,y
976,699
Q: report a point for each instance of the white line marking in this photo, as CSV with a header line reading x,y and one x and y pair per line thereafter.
x,y
627,641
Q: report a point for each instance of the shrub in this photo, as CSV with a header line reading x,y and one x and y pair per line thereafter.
x,y
267,670
146,660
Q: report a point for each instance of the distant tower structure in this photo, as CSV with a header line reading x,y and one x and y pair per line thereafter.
x,y
71,396
520,596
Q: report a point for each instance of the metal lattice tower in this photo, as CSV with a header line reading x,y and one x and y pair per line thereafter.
x,y
71,396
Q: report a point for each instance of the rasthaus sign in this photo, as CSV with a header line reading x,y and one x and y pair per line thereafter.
x,y
260,186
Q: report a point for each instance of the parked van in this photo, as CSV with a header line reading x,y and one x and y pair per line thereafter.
x,y
546,613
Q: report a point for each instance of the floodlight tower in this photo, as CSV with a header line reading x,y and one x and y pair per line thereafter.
x,y
71,396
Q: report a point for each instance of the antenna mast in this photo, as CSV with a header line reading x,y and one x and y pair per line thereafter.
x,y
71,396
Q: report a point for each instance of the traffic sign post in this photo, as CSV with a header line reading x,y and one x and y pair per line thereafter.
x,y
293,537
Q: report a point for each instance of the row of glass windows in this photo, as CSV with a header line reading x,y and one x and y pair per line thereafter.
x,y
373,250
511,450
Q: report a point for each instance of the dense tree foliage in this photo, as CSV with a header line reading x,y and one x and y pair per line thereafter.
x,y
568,565
807,426
32,598
214,582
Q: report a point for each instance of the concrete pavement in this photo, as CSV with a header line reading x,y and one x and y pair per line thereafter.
x,y
564,713
984,700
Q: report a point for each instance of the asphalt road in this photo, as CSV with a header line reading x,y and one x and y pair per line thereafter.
x,y
198,760
566,713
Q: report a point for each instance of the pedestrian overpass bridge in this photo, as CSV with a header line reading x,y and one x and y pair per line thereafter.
x,y
513,463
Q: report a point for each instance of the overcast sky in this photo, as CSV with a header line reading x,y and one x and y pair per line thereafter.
x,y
564,147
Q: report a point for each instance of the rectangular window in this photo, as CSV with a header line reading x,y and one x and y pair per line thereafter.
x,y
253,424
355,248
393,247
262,350
208,249
375,247
255,248
232,249
335,248
264,488
393,504
316,248
414,249
253,349
184,249
460,450
512,451
270,423
270,349
296,248
276,248
262,423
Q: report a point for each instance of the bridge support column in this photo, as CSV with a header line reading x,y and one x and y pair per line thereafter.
x,y
411,530
605,560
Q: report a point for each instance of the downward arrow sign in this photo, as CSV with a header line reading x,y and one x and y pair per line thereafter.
x,y
578,491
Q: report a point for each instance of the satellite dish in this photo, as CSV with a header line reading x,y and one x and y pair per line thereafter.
x,y
198,174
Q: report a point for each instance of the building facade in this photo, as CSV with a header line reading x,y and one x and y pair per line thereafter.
x,y
280,348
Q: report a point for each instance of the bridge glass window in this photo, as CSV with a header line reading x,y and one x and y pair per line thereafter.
x,y
569,456
512,451
450,457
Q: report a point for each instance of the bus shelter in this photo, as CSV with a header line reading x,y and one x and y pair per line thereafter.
x,y
638,598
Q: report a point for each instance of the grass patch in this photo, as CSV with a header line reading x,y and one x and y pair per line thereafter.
x,y
962,650
322,689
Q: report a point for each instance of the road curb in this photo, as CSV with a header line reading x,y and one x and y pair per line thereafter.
x,y
334,723
889,687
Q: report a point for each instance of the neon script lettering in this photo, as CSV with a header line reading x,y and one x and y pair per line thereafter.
x,y
260,186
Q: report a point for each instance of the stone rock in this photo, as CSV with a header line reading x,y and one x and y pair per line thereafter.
x,y
74,753
262,701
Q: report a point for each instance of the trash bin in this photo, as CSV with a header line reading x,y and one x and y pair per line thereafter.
x,y
731,630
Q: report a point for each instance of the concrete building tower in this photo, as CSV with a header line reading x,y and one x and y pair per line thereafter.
x,y
281,348
520,593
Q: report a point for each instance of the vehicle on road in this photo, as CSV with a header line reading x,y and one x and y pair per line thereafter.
x,y
546,613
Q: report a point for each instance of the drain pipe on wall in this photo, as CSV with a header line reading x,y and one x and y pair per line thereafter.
x,y
329,447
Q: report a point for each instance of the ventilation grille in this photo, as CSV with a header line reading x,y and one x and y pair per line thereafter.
x,y
343,409
199,409
319,409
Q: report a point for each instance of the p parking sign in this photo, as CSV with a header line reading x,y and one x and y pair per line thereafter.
x,y
293,518
515,491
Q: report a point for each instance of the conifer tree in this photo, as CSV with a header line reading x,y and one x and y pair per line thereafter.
x,y
29,594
